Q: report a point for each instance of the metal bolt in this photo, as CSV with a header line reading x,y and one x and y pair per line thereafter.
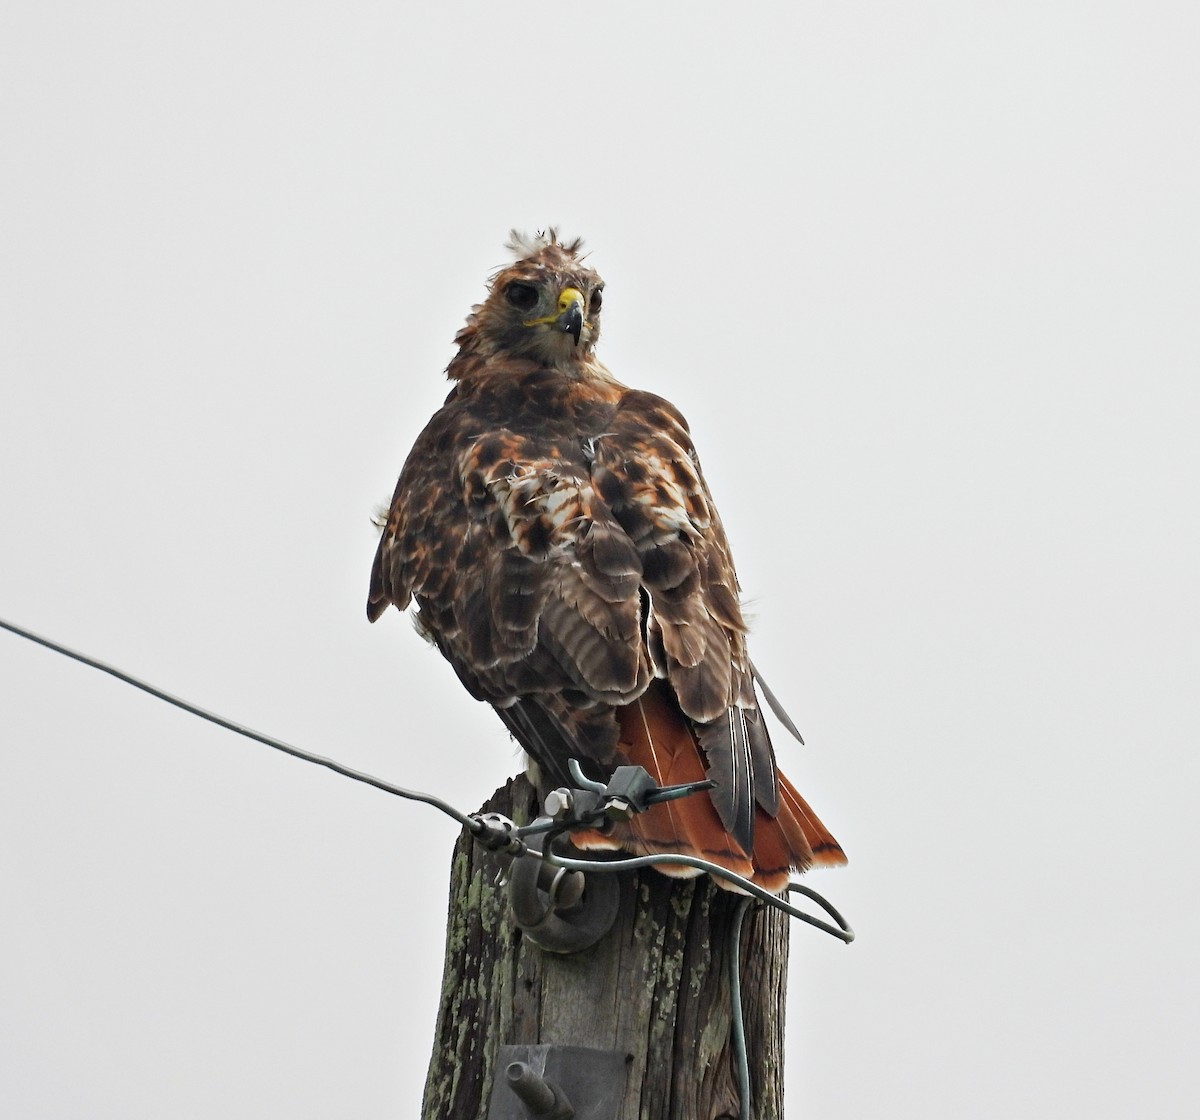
x,y
618,809
542,1098
559,803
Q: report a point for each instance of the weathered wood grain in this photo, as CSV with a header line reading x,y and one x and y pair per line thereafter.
x,y
655,988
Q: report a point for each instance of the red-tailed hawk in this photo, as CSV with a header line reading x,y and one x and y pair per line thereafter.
x,y
557,535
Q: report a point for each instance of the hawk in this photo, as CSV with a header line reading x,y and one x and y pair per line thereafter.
x,y
558,538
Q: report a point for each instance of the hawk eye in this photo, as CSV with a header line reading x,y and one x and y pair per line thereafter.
x,y
596,300
524,297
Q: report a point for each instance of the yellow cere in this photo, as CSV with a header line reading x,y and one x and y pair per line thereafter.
x,y
566,298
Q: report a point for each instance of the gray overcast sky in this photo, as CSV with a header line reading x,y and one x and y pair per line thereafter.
x,y
924,279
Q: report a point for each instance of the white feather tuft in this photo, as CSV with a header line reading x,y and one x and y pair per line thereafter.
x,y
523,245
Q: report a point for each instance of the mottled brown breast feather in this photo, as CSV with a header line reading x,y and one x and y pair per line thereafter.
x,y
556,533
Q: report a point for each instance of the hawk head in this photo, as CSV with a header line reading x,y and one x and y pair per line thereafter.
x,y
544,307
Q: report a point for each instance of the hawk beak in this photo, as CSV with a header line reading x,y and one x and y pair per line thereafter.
x,y
570,313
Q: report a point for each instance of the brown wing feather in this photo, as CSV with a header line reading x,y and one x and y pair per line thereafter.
x,y
560,542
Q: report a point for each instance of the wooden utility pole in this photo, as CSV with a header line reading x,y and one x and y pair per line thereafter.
x,y
655,989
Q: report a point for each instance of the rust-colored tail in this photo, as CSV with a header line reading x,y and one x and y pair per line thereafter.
x,y
657,736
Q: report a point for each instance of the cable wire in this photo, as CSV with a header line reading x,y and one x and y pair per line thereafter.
x,y
472,823
481,829
469,823
556,828
737,1029
841,930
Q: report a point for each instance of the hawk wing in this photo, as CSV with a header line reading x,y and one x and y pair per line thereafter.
x,y
563,567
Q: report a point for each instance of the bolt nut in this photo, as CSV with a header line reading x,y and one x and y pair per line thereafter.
x,y
558,803
618,809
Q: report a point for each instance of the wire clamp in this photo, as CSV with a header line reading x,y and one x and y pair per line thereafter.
x,y
630,790
497,833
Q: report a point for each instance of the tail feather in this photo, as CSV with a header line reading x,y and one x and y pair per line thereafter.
x,y
826,851
656,736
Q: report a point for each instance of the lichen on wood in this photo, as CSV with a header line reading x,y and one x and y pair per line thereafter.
x,y
654,988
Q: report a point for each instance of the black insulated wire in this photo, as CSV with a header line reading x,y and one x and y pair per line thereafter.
x,y
478,826
239,729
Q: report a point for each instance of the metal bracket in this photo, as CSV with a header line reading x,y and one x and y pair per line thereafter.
x,y
559,910
630,790
557,1083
